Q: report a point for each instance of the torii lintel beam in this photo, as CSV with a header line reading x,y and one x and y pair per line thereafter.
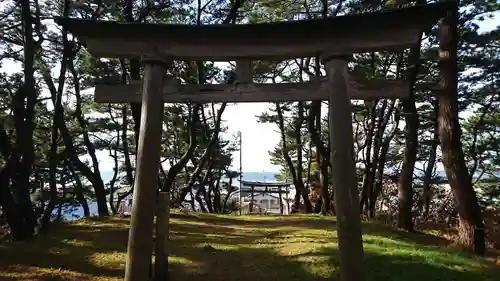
x,y
387,30
307,91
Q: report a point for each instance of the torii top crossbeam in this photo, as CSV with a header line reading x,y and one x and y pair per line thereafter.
x,y
265,183
250,186
394,29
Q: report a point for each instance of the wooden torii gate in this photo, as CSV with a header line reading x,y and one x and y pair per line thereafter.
x,y
333,39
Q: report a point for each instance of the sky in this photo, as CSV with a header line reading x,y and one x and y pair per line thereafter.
x,y
257,139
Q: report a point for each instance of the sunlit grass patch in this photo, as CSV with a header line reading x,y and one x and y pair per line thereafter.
x,y
32,273
109,260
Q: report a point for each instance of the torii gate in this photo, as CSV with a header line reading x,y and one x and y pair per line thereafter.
x,y
333,39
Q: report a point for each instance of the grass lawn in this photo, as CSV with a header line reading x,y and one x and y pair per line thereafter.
x,y
220,248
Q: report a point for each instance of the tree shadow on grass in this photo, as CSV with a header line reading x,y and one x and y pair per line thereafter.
x,y
311,222
264,221
382,230
242,264
94,248
71,251
254,262
395,267
192,262
222,250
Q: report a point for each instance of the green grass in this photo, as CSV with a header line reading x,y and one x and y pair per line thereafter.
x,y
220,248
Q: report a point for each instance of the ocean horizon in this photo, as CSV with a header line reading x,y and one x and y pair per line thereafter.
x,y
75,211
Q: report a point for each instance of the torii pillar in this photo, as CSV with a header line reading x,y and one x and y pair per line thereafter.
x,y
344,168
140,243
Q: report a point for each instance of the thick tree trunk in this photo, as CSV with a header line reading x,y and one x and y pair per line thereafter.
x,y
10,208
405,187
25,124
471,229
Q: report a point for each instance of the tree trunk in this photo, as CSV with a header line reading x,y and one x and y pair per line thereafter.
x,y
96,178
197,197
250,207
52,157
80,196
471,228
177,167
368,174
377,165
56,94
426,194
113,153
230,187
25,124
381,160
63,195
10,208
300,174
280,198
301,191
322,154
126,150
135,107
405,186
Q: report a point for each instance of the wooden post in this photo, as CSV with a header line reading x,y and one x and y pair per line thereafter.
x,y
280,199
244,73
350,242
161,237
250,207
140,240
